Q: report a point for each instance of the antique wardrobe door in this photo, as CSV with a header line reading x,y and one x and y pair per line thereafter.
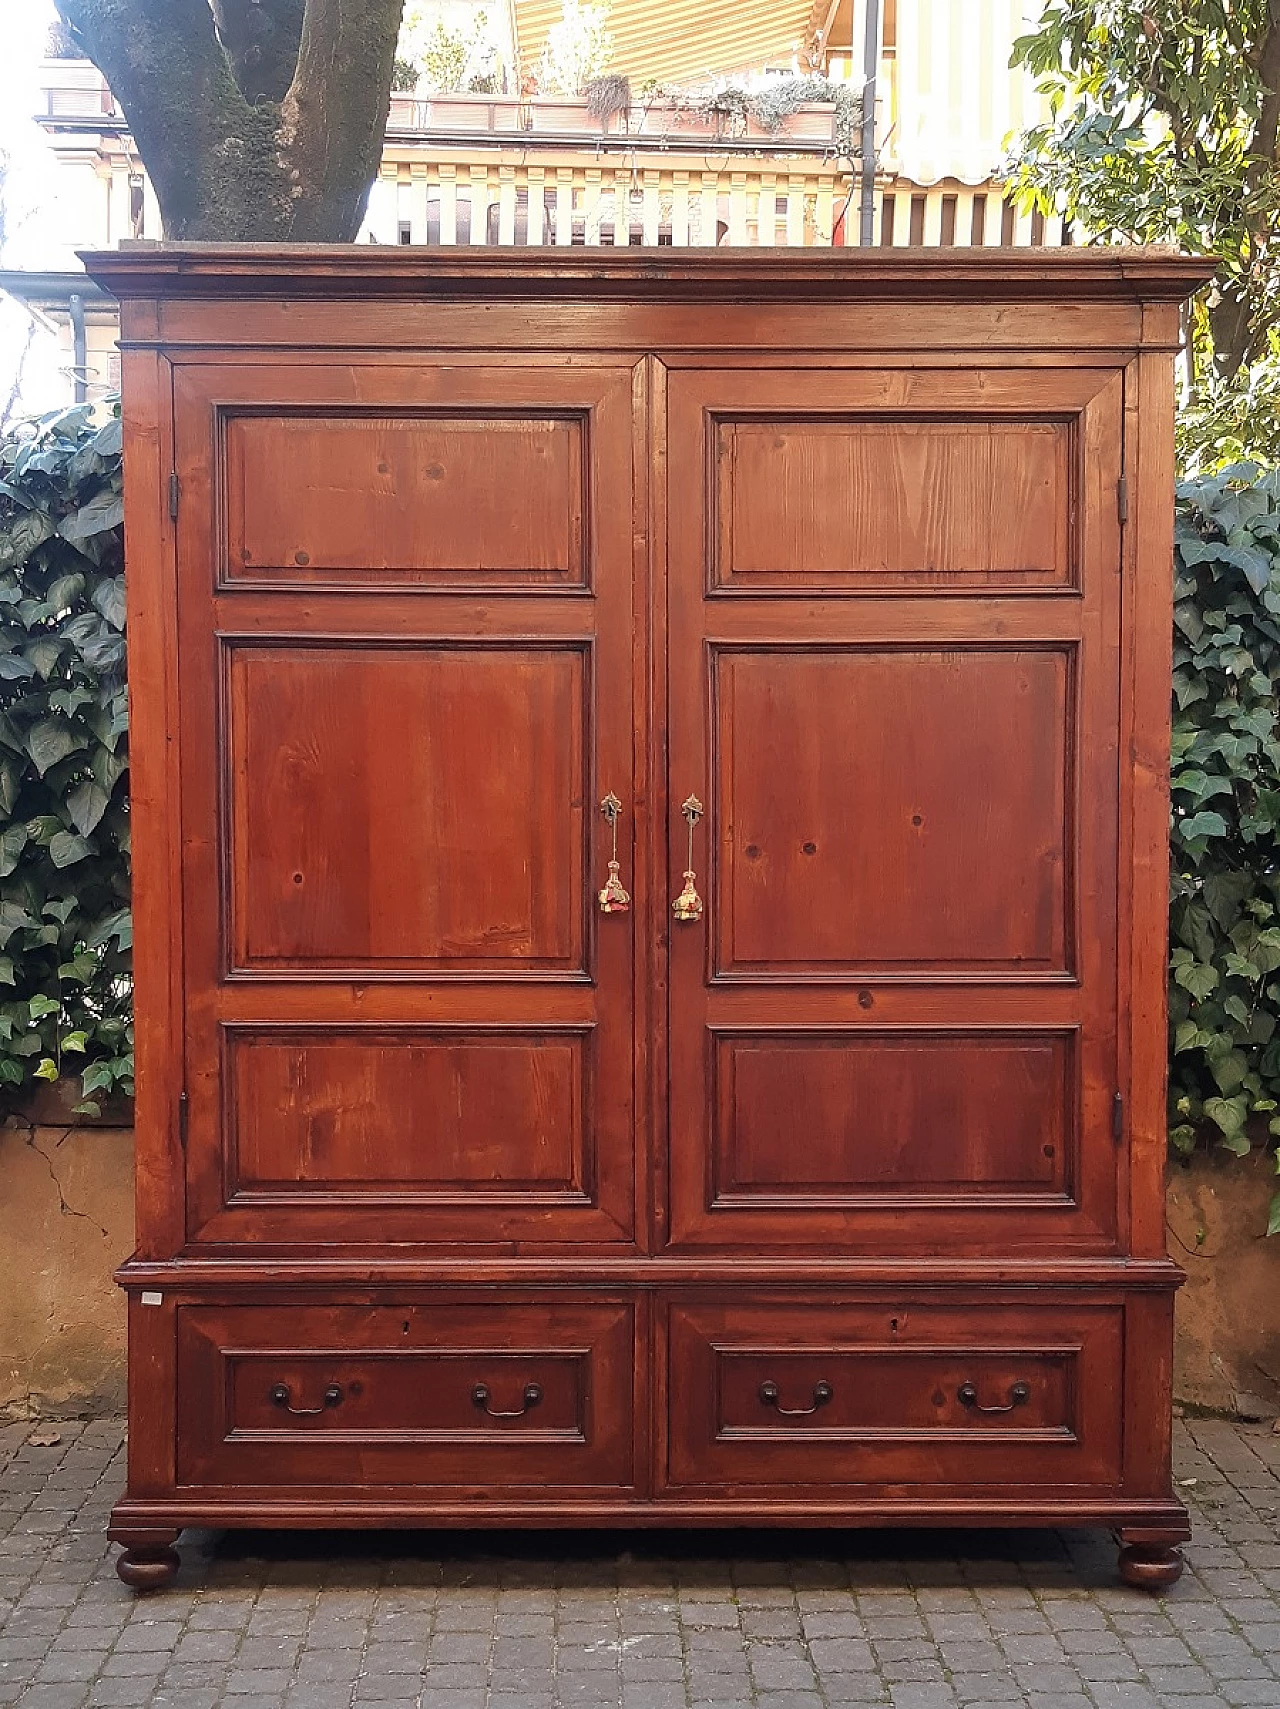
x,y
894,619
405,664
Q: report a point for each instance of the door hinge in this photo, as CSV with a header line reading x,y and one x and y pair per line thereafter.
x,y
1117,1117
182,1120
174,489
1122,498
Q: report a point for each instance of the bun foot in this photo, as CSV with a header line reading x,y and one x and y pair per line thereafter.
x,y
147,1566
1150,1566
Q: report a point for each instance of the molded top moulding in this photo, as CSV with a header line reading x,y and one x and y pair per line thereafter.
x,y
201,270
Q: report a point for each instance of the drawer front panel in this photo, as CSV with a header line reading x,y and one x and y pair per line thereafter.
x,y
973,1394
457,1393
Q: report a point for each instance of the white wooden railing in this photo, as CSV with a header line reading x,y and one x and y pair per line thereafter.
x,y
473,200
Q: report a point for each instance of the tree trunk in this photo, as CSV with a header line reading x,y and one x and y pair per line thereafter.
x,y
270,132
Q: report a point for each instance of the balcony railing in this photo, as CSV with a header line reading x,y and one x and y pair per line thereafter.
x,y
515,201
480,170
518,202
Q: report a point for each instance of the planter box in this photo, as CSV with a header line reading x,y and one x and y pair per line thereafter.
x,y
469,115
813,122
550,113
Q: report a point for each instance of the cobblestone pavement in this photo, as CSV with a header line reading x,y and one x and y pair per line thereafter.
x,y
777,1620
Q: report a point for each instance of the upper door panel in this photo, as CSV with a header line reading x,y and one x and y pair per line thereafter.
x,y
805,501
402,499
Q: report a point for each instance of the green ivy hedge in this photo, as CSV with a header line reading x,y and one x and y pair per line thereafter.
x,y
65,927
1224,973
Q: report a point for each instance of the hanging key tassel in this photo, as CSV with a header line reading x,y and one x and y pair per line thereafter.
x,y
688,904
613,898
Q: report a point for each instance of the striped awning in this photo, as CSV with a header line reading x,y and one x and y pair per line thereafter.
x,y
957,98
680,41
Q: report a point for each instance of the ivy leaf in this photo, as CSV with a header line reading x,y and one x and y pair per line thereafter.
x,y
43,655
1197,977
86,803
1229,1071
48,1069
1203,825
64,591
13,839
108,600
51,740
101,515
98,1077
1228,1114
108,440
118,925
21,534
67,848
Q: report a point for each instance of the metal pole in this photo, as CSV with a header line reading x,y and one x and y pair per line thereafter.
x,y
870,66
79,347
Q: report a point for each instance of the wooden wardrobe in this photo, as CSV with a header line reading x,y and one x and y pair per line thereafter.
x,y
803,1167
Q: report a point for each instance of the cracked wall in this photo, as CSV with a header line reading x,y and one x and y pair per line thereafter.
x,y
66,1221
1227,1345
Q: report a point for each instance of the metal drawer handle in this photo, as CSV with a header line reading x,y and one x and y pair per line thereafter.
x,y
332,1397
1019,1395
480,1398
822,1393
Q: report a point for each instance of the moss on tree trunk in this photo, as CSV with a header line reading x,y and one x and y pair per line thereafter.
x,y
235,153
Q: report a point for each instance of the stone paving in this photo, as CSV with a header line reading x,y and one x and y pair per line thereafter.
x,y
781,1620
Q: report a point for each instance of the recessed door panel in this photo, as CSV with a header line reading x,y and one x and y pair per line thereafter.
x,y
807,500
961,1114
478,499
894,686
439,1113
892,807
406,669
400,807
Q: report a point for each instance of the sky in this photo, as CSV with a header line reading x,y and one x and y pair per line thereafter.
x,y
33,241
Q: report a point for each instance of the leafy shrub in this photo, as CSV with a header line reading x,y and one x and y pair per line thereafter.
x,y
1225,962
65,926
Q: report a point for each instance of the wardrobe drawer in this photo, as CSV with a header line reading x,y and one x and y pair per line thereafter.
x,y
903,1393
474,1395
